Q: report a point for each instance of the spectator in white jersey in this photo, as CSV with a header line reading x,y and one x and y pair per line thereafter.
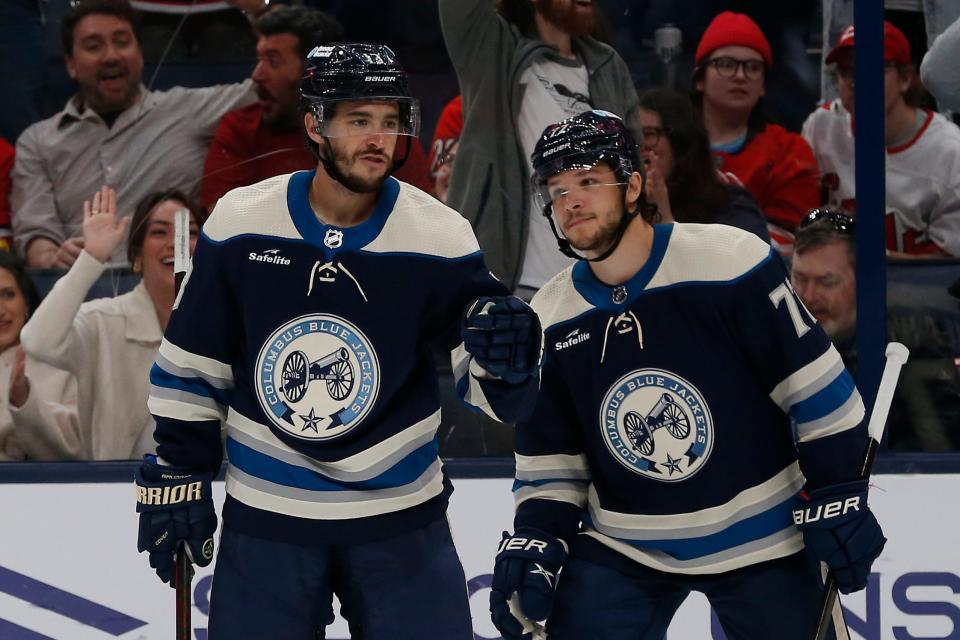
x,y
114,131
529,65
923,152
110,344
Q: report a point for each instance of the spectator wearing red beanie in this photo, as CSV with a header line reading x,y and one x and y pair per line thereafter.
x,y
776,166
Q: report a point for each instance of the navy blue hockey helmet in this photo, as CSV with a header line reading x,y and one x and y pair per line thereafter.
x,y
582,142
357,71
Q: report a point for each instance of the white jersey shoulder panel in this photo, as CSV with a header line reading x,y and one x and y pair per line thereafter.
x,y
259,209
708,253
559,301
422,224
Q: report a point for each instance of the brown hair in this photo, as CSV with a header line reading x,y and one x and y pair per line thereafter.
x,y
83,8
821,233
141,217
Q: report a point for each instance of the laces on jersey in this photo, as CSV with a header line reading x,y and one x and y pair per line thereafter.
x,y
623,324
327,272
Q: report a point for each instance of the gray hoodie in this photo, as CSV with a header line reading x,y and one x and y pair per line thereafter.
x,y
490,182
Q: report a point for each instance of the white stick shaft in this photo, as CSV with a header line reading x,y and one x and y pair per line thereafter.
x,y
181,240
897,355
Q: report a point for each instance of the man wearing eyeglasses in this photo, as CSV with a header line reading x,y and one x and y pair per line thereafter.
x,y
775,165
923,152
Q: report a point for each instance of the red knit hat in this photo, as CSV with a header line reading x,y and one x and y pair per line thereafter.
x,y
731,29
895,46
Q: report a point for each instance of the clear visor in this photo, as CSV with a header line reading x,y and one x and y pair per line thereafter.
x,y
374,116
555,193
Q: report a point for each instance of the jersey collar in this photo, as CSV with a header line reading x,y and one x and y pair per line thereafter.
x,y
329,238
616,298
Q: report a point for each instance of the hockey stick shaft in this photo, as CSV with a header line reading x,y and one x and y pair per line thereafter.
x,y
897,355
183,574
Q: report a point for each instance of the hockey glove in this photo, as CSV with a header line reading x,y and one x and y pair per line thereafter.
x,y
839,529
503,336
526,568
176,508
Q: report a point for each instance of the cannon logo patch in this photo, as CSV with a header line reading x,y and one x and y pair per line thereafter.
x,y
657,424
317,377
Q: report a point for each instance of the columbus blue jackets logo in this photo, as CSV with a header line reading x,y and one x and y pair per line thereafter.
x,y
317,377
657,424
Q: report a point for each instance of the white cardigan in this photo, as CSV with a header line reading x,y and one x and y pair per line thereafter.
x,y
109,344
46,426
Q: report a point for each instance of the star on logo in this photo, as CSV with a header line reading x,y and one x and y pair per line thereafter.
x,y
310,421
673,464
540,571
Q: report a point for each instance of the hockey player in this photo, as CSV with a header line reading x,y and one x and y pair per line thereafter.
x,y
303,329
659,458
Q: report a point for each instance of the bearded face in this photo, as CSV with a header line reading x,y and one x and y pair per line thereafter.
x,y
576,17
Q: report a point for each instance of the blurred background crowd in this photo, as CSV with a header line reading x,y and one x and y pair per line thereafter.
x,y
745,111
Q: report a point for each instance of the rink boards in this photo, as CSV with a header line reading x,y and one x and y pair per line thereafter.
x,y
69,568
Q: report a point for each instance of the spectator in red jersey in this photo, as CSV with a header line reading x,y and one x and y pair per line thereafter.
x,y
265,139
445,136
777,167
923,152
6,186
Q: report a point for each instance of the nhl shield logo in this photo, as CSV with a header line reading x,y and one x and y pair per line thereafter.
x,y
317,377
657,424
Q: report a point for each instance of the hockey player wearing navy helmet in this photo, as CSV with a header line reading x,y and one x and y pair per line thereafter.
x,y
304,332
695,428
598,146
357,108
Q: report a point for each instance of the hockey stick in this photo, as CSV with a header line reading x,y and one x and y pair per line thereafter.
x,y
183,573
897,355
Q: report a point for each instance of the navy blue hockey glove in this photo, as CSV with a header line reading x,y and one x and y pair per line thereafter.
x,y
839,529
526,571
176,509
503,335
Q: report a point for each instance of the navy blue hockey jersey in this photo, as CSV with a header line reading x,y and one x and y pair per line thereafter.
x,y
310,343
664,425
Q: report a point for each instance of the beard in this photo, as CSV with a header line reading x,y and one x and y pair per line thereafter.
x,y
344,174
576,23
601,239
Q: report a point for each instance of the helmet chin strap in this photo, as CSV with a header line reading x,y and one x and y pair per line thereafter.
x,y
567,249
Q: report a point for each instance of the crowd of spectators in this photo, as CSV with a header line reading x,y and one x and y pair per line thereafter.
x,y
96,184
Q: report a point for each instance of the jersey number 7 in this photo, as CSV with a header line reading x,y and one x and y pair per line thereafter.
x,y
785,293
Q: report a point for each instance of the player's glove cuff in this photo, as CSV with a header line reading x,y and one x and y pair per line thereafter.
x,y
176,508
840,530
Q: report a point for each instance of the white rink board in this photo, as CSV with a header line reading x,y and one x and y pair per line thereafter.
x,y
80,539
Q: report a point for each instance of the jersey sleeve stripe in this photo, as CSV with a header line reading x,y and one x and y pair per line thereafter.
x,y
746,504
361,466
846,416
332,505
466,373
161,379
279,473
825,401
530,468
573,492
182,411
807,380
185,364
